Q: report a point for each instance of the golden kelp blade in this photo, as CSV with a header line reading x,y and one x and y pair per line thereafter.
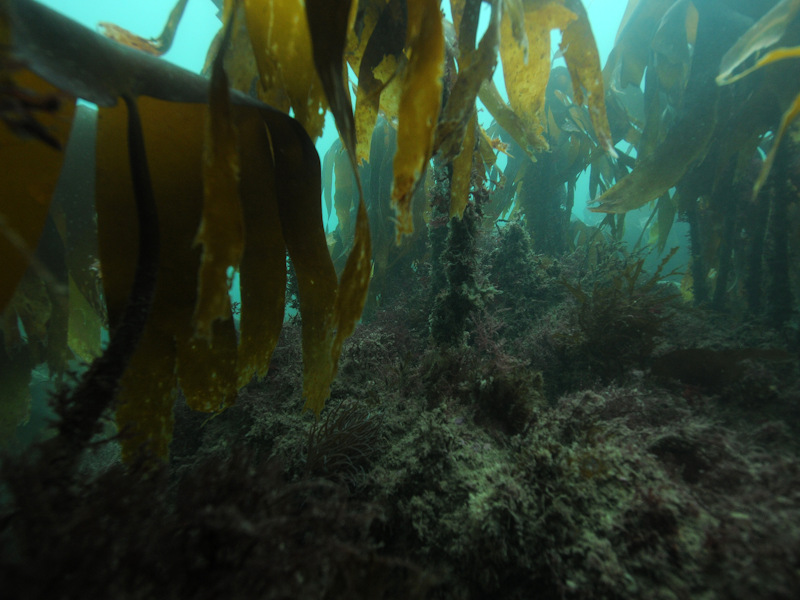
x,y
474,67
526,83
457,10
282,45
583,62
767,31
221,231
262,281
298,191
378,67
345,195
240,60
419,105
173,134
508,119
30,166
329,22
85,325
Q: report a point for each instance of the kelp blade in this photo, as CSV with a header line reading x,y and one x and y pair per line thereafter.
x,y
168,351
419,106
526,81
29,174
221,231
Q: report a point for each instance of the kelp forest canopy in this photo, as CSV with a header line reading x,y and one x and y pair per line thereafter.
x,y
691,116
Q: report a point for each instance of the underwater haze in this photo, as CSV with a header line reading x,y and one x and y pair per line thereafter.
x,y
400,299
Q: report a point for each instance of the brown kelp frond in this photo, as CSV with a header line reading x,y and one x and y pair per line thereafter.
x,y
766,32
221,231
79,411
272,174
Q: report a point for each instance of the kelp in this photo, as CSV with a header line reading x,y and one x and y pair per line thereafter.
x,y
456,132
687,141
626,63
30,168
329,21
505,116
282,45
583,63
221,231
378,64
764,33
209,151
706,141
526,70
525,54
474,67
206,362
462,171
420,103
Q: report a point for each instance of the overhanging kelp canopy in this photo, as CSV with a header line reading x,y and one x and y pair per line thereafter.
x,y
236,181
189,141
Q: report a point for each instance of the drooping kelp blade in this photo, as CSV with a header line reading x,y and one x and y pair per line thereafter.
x,y
329,22
298,191
687,142
475,67
526,81
379,64
583,62
419,105
282,45
345,194
30,167
221,231
627,61
767,31
262,281
353,287
788,117
770,57
656,173
169,350
508,119
172,103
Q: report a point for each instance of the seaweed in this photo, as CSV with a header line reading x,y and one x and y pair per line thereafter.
x,y
621,317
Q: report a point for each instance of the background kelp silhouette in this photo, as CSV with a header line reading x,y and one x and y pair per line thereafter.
x,y
526,405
